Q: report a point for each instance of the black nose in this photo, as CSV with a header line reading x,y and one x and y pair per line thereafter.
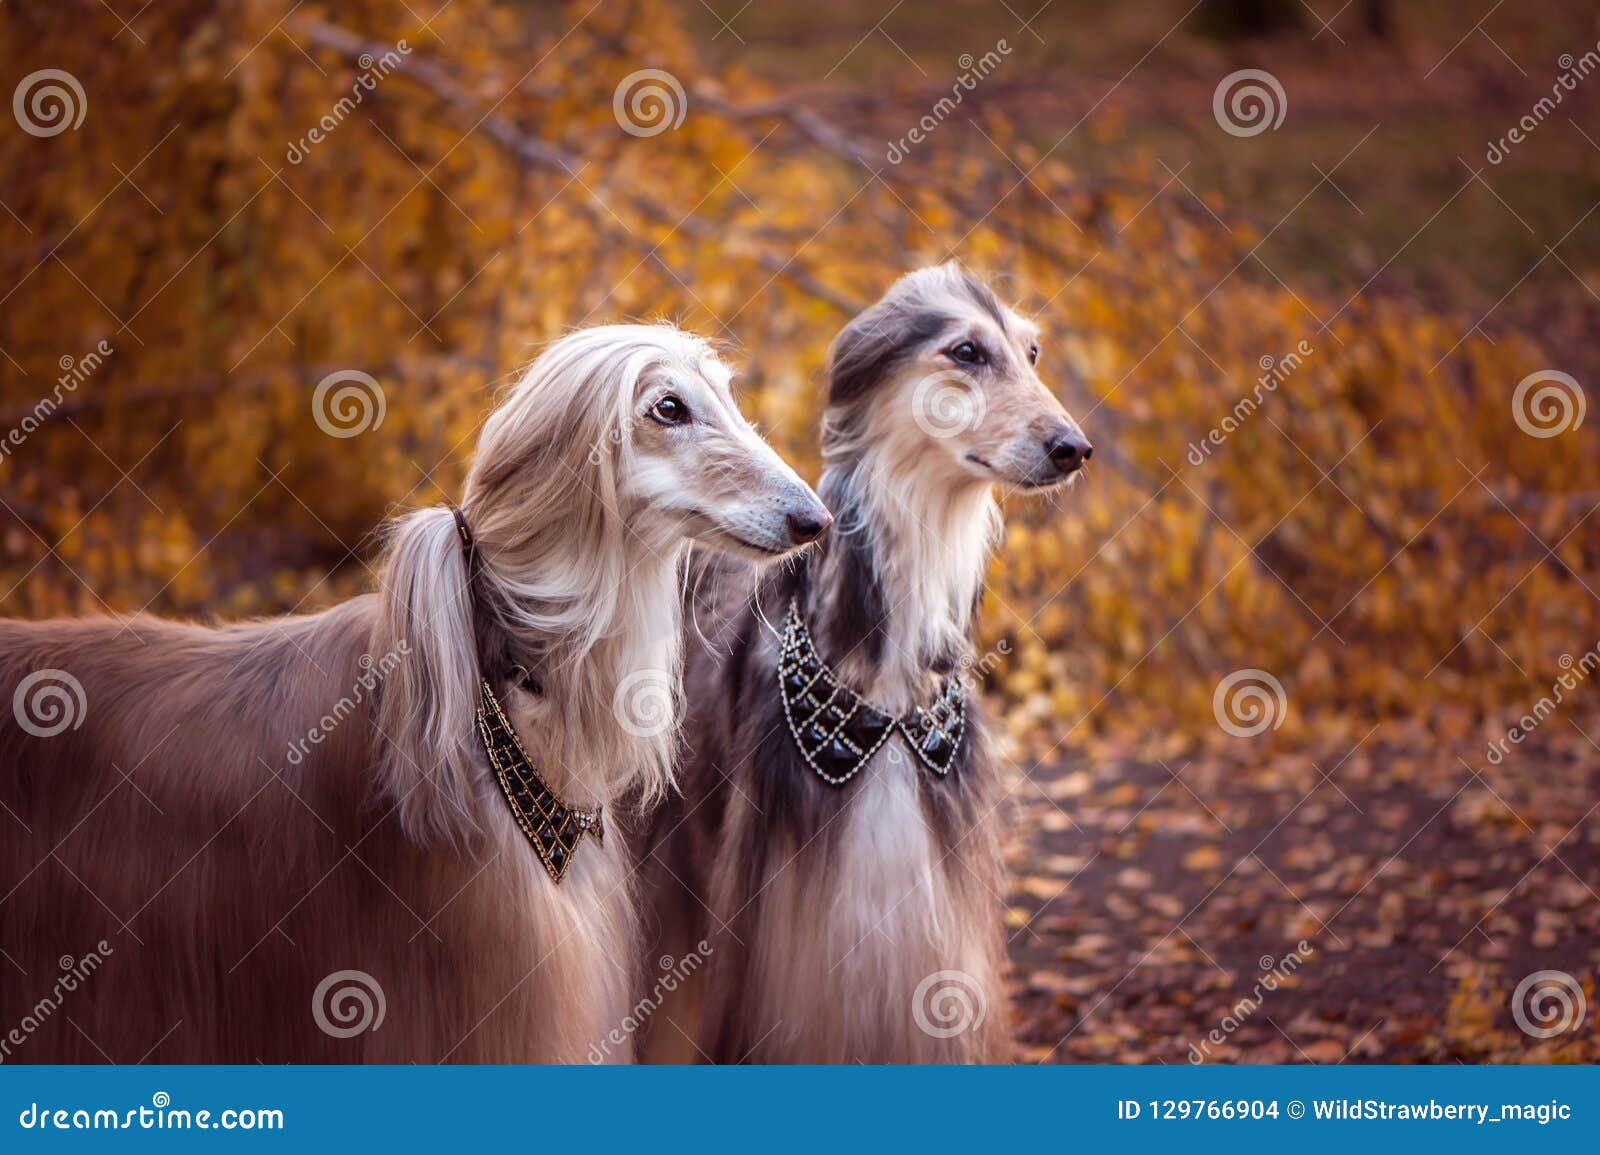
x,y
804,527
1068,451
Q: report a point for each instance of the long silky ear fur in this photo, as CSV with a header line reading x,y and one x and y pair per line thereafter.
x,y
427,763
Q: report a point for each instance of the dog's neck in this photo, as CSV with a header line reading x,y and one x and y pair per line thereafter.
x,y
603,722
892,595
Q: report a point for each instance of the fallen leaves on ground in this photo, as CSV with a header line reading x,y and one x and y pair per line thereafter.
x,y
1153,898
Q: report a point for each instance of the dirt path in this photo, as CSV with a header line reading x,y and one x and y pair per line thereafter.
x,y
1151,899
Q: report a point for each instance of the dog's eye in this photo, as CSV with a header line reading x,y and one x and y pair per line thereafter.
x,y
965,353
1033,354
670,410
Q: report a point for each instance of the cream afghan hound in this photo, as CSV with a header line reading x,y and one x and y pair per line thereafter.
x,y
282,840
837,842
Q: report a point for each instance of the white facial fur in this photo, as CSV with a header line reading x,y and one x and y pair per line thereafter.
x,y
700,469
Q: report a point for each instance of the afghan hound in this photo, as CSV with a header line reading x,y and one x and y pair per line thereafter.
x,y
837,842
378,833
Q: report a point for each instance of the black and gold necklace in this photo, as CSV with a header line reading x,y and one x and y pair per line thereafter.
x,y
837,731
553,828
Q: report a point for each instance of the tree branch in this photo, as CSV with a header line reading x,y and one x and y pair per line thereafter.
x,y
534,152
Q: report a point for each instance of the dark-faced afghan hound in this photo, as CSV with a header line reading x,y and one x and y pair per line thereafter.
x,y
837,842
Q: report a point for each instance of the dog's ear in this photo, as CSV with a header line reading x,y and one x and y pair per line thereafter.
x,y
427,711
869,348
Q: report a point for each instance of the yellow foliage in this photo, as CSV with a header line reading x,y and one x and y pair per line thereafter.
x,y
1373,533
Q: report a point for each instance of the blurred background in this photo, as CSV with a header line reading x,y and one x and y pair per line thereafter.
x,y
1303,671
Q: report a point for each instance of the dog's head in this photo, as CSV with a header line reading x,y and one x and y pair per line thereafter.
x,y
637,423
696,460
941,372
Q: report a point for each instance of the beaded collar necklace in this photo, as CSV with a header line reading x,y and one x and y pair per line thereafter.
x,y
551,827
837,731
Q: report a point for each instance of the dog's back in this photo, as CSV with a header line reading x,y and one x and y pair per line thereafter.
x,y
150,838
199,868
